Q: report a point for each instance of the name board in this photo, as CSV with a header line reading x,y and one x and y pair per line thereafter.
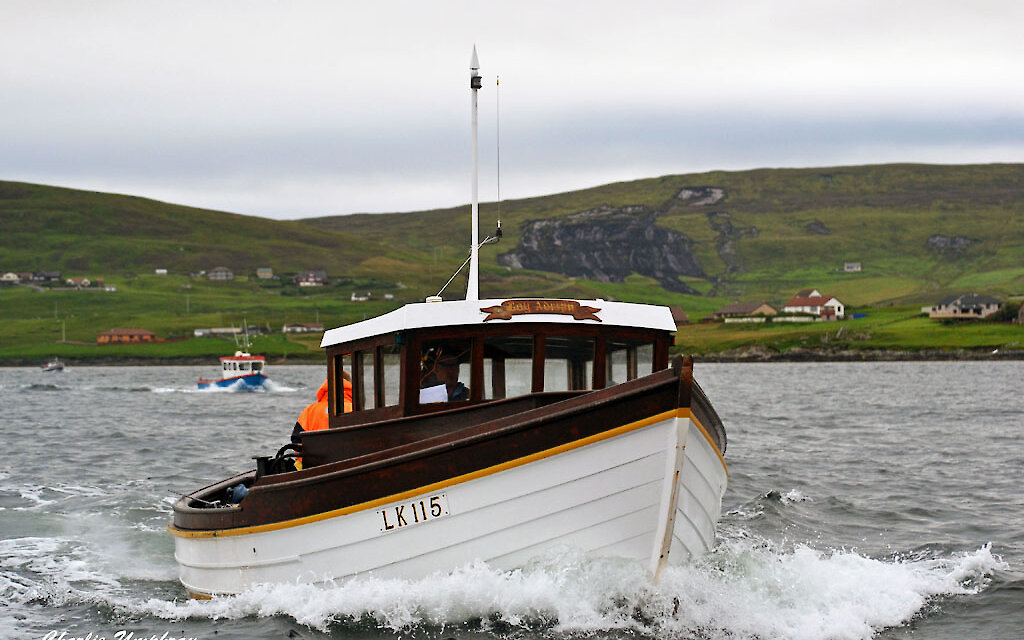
x,y
412,512
510,308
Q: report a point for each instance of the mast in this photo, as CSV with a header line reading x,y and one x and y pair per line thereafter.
x,y
472,289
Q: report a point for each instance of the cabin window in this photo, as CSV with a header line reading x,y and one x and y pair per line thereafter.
x,y
391,371
375,376
444,371
257,365
628,360
363,396
243,366
368,380
568,363
508,366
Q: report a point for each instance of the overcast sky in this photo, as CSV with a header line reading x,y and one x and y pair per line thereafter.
x,y
312,108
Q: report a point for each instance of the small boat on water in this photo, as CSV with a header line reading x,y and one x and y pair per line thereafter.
x,y
241,371
477,429
53,365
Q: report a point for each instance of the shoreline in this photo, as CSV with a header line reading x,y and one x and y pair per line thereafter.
x,y
755,354
762,354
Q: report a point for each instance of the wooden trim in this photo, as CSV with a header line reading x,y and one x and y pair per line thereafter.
x,y
378,378
476,370
358,389
538,363
660,355
684,367
365,416
411,373
499,386
332,397
598,366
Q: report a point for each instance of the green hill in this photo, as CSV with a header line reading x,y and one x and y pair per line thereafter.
x,y
92,234
918,232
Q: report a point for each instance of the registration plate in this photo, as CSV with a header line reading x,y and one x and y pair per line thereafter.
x,y
413,512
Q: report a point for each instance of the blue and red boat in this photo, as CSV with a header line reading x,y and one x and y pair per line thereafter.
x,y
240,371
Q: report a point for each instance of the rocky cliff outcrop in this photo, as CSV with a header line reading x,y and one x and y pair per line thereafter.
x,y
607,244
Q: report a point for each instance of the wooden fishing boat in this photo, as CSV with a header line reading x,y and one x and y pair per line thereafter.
x,y
479,429
577,430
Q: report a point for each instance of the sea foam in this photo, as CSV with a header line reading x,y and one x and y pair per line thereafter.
x,y
736,592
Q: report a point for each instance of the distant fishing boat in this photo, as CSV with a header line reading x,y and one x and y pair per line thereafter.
x,y
53,365
576,429
242,370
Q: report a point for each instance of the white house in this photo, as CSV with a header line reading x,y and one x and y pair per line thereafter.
x,y
220,273
302,327
813,302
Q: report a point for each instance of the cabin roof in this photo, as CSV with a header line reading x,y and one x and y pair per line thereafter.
x,y
422,315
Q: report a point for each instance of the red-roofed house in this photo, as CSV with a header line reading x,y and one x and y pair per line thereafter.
x,y
125,336
813,302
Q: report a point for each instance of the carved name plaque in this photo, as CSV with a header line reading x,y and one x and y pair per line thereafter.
x,y
510,308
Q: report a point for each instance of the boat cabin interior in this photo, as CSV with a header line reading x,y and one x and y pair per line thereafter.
x,y
415,372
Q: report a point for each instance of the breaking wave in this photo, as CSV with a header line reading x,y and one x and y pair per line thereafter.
x,y
739,591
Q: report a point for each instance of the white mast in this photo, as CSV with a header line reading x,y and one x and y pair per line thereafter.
x,y
472,292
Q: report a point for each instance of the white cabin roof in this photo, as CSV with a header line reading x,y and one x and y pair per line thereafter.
x,y
422,315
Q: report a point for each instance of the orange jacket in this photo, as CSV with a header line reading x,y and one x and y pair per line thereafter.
x,y
315,417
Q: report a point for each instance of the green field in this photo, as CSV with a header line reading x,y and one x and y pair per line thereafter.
x,y
794,229
42,324
36,321
889,329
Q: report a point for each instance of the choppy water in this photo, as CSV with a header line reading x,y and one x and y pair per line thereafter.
x,y
865,500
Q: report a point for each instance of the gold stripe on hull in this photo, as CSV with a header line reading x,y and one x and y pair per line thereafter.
x,y
412,493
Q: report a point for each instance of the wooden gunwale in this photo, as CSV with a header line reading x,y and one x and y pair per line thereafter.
x,y
352,440
365,478
497,428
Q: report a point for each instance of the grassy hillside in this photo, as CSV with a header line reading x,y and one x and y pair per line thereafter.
x,y
808,222
791,229
98,234
38,323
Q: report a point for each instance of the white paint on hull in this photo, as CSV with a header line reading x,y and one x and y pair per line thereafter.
x,y
609,498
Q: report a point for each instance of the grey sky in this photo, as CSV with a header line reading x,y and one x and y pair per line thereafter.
x,y
309,108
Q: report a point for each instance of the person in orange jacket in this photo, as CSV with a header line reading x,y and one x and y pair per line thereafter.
x,y
315,417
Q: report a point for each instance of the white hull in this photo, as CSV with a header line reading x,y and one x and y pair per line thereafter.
x,y
653,493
